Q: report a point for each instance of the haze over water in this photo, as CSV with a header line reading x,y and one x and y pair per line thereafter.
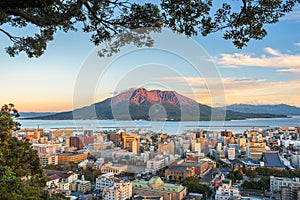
x,y
170,127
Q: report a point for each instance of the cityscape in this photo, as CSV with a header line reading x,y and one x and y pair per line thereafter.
x,y
140,164
149,100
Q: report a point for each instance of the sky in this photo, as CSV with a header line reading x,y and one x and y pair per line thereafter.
x,y
208,69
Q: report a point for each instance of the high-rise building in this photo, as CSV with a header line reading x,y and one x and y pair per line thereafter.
x,y
129,145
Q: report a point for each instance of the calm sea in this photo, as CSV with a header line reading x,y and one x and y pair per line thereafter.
x,y
170,127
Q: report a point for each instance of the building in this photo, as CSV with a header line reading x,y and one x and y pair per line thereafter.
x,y
48,159
60,133
44,148
255,150
200,167
157,163
115,169
295,160
227,192
116,138
156,187
291,192
75,157
277,183
76,142
134,147
121,190
147,197
179,173
64,186
166,147
231,153
131,143
197,148
271,159
81,186
68,177
105,180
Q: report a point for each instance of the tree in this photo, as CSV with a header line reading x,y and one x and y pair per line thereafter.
x,y
104,19
21,175
235,175
193,185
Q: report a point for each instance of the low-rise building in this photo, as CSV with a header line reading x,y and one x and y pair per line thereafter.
x,y
63,176
156,187
179,173
64,186
227,192
81,186
115,169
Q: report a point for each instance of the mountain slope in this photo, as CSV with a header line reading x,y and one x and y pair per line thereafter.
x,y
35,114
278,109
151,105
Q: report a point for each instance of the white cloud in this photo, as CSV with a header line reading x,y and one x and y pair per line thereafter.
x,y
293,16
240,90
284,62
272,51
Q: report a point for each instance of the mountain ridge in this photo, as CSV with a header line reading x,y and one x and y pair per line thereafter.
x,y
136,104
279,109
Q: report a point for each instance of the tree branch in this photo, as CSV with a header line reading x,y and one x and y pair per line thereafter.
x,y
11,37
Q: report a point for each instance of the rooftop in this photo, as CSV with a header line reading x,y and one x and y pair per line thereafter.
x,y
272,159
178,168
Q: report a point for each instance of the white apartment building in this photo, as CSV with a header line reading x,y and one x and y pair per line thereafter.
x,y
105,180
121,190
226,191
276,183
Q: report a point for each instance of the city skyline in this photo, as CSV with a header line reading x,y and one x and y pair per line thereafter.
x,y
265,72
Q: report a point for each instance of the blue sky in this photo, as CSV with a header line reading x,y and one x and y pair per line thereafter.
x,y
266,71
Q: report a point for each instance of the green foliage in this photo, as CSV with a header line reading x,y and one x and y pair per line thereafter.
x,y
235,175
193,185
263,184
263,171
21,176
122,18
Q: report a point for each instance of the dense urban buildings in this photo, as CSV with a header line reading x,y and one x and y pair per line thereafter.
x,y
137,164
